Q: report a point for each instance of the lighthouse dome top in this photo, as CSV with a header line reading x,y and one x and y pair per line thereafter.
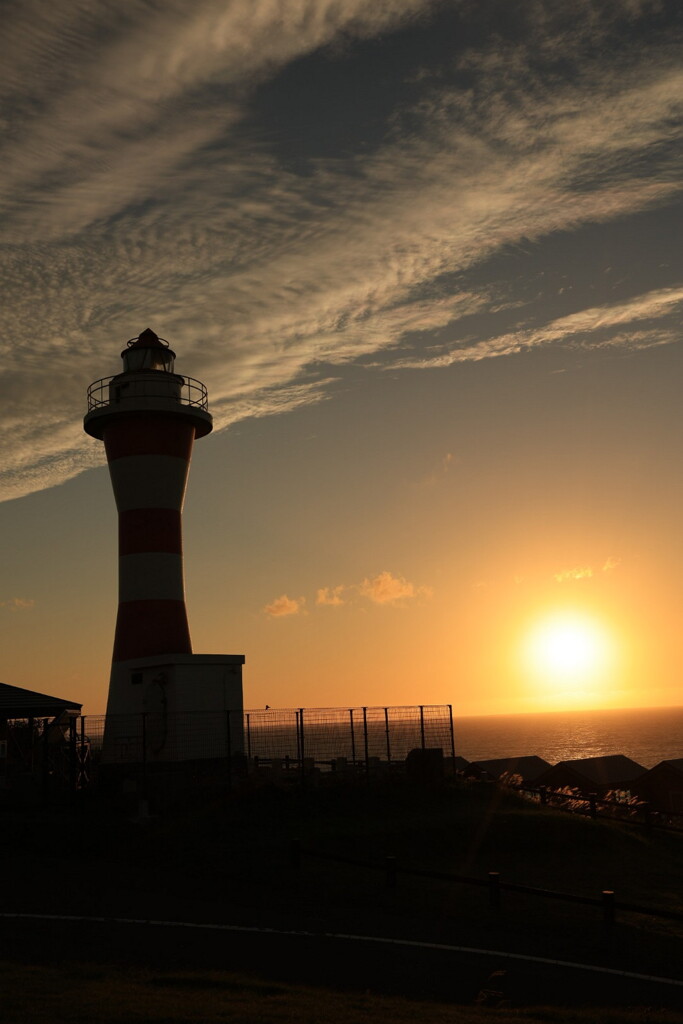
x,y
148,352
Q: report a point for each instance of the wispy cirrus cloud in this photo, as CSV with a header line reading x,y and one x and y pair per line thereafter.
x,y
139,185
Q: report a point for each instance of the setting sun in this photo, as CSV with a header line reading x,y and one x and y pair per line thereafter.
x,y
568,655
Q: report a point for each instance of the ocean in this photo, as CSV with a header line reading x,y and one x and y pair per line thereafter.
x,y
647,735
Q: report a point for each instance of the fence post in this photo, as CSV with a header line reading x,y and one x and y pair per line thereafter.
x,y
83,777
593,804
248,736
353,740
494,890
295,854
422,726
543,794
228,748
365,740
45,772
73,769
386,727
608,909
143,800
301,730
390,867
450,720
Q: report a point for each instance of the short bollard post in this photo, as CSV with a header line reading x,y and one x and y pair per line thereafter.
x,y
593,804
494,890
543,795
390,866
608,907
295,854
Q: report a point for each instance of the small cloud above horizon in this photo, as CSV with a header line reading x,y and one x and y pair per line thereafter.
x,y
386,588
16,604
284,605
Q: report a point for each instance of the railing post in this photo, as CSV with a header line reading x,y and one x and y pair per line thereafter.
x,y
494,890
390,868
299,757
386,728
365,740
593,804
248,736
543,795
422,726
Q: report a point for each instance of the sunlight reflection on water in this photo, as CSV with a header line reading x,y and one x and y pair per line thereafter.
x,y
648,735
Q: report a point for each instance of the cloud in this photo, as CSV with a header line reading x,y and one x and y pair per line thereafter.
x,y
16,604
389,589
580,327
330,596
285,605
586,572
139,185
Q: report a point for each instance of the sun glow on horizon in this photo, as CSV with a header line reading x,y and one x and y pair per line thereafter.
x,y
568,656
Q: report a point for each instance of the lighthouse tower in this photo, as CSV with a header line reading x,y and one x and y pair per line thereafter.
x,y
162,697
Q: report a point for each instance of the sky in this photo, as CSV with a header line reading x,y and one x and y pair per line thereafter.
x,y
426,258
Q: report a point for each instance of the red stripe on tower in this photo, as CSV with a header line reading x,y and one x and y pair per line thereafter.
x,y
148,417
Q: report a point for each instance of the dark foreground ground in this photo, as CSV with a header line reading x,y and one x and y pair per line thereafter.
x,y
229,862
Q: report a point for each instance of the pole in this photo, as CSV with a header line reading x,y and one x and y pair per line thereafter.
x,y
228,748
353,739
450,719
386,729
422,726
365,739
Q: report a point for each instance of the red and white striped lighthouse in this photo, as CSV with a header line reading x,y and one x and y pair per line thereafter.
x,y
148,417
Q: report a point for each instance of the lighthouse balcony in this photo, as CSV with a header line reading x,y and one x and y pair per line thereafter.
x,y
146,391
128,388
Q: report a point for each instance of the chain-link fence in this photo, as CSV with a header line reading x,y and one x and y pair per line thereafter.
x,y
70,752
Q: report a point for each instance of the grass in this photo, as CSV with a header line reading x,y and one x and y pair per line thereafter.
x,y
83,994
227,860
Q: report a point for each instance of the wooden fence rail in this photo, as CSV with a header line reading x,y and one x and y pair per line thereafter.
x,y
393,870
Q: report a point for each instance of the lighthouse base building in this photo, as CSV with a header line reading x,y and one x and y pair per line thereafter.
x,y
165,704
174,707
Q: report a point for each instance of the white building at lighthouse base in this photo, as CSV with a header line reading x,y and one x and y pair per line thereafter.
x,y
174,707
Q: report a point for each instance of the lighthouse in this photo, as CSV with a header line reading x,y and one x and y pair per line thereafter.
x,y
165,702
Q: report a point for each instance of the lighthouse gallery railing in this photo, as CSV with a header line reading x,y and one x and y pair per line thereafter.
x,y
190,391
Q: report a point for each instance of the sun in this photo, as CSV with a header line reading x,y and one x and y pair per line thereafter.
x,y
568,656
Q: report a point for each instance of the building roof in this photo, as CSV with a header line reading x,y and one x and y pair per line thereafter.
x,y
673,762
16,702
608,770
529,767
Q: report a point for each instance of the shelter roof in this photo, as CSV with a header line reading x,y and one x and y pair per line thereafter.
x,y
16,702
529,766
610,769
